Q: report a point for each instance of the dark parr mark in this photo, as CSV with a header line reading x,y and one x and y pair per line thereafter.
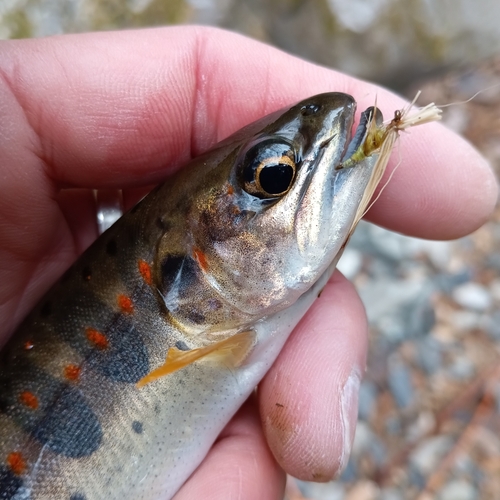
x,y
126,358
69,427
9,483
137,427
111,248
86,273
62,420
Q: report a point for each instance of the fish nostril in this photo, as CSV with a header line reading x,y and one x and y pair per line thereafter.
x,y
310,109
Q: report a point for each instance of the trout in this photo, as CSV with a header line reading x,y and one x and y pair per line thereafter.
x,y
119,381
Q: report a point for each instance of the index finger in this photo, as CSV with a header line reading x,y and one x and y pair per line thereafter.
x,y
121,109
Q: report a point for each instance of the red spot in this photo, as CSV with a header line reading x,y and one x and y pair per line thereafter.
x,y
145,270
230,189
125,304
201,258
16,463
29,399
28,345
97,338
72,372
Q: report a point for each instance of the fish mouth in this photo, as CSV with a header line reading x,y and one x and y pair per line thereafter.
x,y
354,142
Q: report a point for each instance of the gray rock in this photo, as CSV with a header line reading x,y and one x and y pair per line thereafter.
x,y
429,354
368,393
462,368
472,296
429,453
458,489
399,380
350,263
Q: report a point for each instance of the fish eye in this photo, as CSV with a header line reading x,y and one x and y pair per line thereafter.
x,y
268,168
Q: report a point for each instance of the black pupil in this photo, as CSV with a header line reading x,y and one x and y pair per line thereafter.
x,y
276,179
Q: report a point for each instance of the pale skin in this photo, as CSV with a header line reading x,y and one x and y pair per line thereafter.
x,y
123,110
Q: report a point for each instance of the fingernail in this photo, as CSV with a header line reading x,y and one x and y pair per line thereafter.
x,y
349,414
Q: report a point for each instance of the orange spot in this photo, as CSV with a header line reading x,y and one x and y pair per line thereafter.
x,y
201,258
16,463
125,304
235,210
28,345
230,189
29,399
145,270
72,372
97,338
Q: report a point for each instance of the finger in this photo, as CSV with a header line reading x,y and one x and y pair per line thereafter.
x,y
309,398
239,465
114,109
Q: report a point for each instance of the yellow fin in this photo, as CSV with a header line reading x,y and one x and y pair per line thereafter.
x,y
233,350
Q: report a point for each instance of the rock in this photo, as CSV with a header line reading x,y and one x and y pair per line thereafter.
x,y
368,393
350,263
399,381
429,453
429,355
462,368
322,491
472,296
458,489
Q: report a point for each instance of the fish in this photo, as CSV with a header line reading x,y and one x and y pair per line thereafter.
x,y
119,381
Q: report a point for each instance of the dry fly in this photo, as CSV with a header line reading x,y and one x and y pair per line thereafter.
x,y
380,139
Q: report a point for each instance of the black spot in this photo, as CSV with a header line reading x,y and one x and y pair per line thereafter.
x,y
46,309
86,273
77,496
163,224
137,427
111,248
181,345
196,316
9,483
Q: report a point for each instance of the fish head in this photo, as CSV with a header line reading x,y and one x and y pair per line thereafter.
x,y
285,209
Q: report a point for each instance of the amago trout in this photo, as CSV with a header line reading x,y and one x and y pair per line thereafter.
x,y
211,271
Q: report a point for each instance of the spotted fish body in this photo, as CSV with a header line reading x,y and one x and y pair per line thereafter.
x,y
221,261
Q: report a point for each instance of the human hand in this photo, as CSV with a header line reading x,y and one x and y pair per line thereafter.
x,y
125,109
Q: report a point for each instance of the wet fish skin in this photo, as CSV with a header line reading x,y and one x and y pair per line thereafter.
x,y
202,259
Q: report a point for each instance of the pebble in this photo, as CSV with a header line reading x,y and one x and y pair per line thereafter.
x,y
429,355
472,296
462,368
391,494
399,381
429,453
368,394
350,263
458,489
322,491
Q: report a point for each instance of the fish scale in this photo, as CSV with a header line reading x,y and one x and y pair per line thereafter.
x,y
119,381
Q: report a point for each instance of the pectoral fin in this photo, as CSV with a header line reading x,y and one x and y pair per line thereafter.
x,y
231,351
